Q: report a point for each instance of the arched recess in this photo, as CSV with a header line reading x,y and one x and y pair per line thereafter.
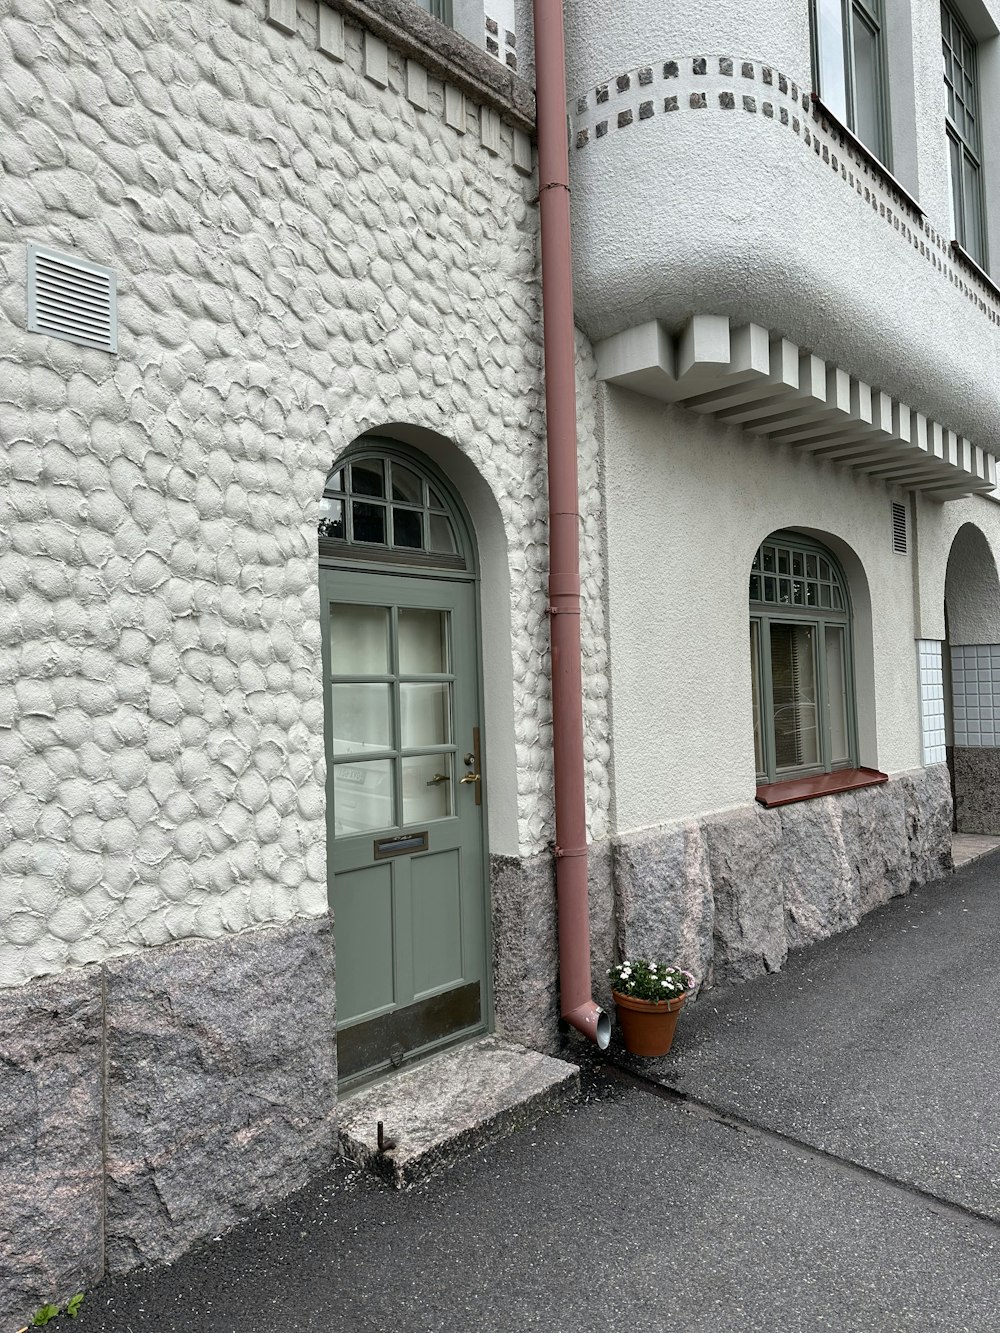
x,y
971,673
971,589
862,638
409,749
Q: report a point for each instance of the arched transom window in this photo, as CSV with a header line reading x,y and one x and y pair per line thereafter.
x,y
377,507
800,658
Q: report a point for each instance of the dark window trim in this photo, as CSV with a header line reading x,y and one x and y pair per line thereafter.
x,y
859,146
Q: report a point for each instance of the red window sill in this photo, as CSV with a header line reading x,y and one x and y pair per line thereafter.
x,y
821,784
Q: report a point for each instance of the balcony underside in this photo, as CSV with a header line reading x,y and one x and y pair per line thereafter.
x,y
761,382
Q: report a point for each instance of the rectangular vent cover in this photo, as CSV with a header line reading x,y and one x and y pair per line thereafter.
x,y
899,528
72,299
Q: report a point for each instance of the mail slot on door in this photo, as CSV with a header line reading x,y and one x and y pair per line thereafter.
x,y
402,844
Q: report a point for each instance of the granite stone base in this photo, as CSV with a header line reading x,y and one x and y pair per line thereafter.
x,y
156,1100
728,895
976,772
221,1085
526,947
51,1177
439,1110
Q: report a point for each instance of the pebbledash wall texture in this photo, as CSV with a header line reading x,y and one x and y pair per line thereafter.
x,y
314,235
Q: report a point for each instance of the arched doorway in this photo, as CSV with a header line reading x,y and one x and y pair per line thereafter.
x,y
405,787
971,663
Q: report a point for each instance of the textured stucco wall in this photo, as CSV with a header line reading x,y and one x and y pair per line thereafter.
x,y
703,497
302,255
777,221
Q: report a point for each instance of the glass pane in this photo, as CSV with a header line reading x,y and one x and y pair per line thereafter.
x,y
798,567
362,797
755,587
369,522
811,566
368,478
335,481
433,499
830,56
957,196
331,518
793,691
836,684
974,240
359,640
361,718
758,739
442,537
767,555
425,796
406,485
782,562
408,528
423,642
868,119
425,715
770,590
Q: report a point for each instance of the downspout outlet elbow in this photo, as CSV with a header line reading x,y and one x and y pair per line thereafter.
x,y
592,1021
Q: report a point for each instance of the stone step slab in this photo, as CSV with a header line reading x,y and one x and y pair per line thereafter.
x,y
450,1105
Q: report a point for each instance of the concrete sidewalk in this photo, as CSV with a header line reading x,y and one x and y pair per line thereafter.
x,y
857,1185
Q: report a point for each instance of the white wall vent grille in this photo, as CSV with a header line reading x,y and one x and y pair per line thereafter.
x,y
898,528
72,299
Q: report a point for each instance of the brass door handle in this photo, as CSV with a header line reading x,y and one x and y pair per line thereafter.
x,y
438,777
469,777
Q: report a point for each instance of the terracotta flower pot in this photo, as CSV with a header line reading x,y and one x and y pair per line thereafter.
x,y
648,1026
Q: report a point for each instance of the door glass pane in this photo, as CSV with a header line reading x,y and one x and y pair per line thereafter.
x,y
793,685
361,718
427,787
368,478
362,797
368,522
425,715
441,534
408,528
331,518
359,640
836,685
758,739
830,56
868,120
406,485
423,642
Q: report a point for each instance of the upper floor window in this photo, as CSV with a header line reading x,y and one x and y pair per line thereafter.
x,y
961,82
850,70
800,660
441,9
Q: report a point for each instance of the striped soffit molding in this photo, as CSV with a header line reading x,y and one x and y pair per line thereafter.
x,y
755,379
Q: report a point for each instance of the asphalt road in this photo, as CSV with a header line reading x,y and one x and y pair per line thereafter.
x,y
854,1187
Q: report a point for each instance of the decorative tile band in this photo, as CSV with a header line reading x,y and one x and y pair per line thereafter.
x,y
931,677
758,89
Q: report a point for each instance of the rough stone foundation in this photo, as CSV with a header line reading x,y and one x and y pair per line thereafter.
x,y
215,1068
977,788
728,895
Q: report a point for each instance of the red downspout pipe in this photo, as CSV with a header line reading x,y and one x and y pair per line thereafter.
x,y
576,998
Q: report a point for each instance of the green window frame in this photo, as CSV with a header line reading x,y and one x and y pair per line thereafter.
x,y
439,9
962,121
849,69
801,661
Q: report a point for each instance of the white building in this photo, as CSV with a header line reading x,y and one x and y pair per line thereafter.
x,y
271,266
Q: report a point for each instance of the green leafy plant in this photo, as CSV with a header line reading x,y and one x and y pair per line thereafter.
x,y
43,1315
650,981
73,1305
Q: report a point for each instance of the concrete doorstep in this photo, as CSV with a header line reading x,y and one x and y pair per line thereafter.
x,y
440,1110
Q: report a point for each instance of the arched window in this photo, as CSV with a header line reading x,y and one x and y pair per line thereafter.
x,y
801,661
381,507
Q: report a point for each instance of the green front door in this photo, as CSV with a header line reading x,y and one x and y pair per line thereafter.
x,y
404,799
